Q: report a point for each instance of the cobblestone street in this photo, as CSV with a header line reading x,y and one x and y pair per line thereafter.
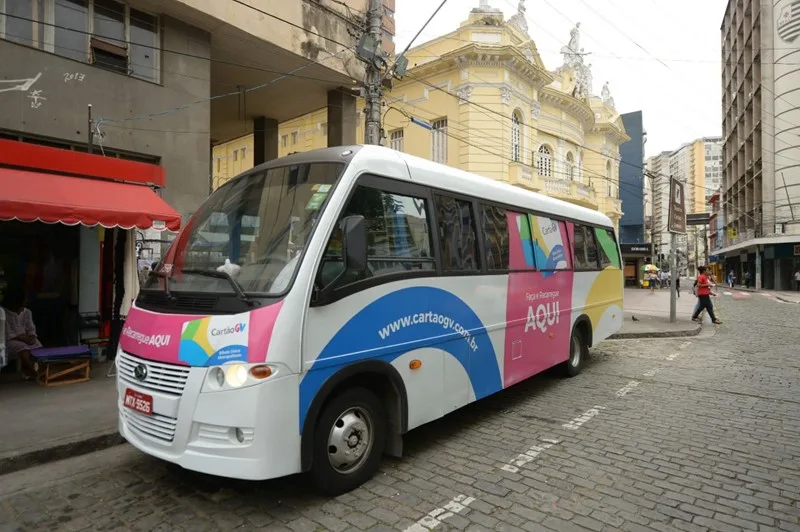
x,y
698,433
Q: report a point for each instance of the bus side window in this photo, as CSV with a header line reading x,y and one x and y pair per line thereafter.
x,y
398,236
585,249
457,234
607,246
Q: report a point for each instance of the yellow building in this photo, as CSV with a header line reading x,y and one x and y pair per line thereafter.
x,y
481,99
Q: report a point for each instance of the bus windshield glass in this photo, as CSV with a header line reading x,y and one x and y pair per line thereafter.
x,y
252,229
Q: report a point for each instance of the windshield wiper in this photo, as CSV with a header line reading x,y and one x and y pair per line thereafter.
x,y
220,275
167,278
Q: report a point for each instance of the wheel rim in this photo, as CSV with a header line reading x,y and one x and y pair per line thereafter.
x,y
350,440
575,352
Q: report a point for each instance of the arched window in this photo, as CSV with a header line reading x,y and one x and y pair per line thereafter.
x,y
570,166
610,179
516,137
545,161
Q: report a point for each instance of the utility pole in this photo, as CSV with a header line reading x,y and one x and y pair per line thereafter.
x,y
374,87
90,135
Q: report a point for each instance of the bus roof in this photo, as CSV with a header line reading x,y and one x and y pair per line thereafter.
x,y
448,178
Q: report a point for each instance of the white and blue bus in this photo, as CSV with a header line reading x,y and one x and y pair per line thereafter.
x,y
319,306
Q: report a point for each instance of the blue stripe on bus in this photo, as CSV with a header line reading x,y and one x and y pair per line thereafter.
x,y
410,318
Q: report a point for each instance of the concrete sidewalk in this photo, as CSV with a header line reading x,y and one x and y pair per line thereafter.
x,y
42,425
651,313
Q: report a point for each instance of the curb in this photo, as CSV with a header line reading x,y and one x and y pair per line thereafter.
x,y
25,460
657,334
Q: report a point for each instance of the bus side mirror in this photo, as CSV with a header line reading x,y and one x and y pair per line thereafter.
x,y
354,257
354,244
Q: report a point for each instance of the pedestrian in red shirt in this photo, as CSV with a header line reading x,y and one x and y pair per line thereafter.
x,y
704,297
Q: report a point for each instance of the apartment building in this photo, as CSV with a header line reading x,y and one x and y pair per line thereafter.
x,y
761,109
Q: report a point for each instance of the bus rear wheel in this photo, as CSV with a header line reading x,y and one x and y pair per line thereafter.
x,y
349,441
578,352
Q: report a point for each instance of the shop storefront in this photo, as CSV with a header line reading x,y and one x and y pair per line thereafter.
x,y
635,256
777,259
68,231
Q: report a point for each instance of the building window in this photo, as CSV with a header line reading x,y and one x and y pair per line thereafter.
x,y
23,22
396,140
235,155
516,136
71,14
106,33
439,141
219,164
294,138
610,179
570,166
284,140
544,161
324,128
244,152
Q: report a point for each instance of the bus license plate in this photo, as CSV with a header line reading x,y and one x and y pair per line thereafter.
x,y
139,402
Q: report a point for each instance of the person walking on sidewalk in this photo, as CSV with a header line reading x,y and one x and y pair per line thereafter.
x,y
797,279
704,297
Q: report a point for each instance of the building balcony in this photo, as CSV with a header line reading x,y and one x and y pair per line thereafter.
x,y
572,191
613,207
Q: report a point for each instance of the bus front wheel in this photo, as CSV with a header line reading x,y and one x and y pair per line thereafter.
x,y
349,441
578,352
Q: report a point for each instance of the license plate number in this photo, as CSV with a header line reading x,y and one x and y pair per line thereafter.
x,y
138,402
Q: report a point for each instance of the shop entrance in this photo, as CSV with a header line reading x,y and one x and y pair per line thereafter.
x,y
41,261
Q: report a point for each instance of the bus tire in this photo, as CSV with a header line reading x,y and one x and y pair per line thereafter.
x,y
578,353
349,441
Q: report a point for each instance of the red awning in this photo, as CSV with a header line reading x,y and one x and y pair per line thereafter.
x,y
51,198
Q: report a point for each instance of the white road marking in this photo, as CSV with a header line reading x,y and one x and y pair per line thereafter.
x,y
684,345
583,418
622,392
435,517
652,372
529,455
727,293
673,356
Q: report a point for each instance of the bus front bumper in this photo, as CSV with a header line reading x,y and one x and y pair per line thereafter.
x,y
249,433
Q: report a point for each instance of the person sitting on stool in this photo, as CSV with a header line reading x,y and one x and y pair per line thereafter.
x,y
21,336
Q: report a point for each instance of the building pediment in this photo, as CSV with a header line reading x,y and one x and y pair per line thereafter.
x,y
569,104
511,58
613,129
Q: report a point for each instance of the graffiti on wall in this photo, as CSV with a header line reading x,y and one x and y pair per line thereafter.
x,y
36,96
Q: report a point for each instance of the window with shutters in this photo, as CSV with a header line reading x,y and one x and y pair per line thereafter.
x,y
544,161
439,141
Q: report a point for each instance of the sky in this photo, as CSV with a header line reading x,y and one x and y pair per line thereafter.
x,y
661,57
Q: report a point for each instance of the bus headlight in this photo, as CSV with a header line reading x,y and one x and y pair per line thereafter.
x,y
235,375
238,375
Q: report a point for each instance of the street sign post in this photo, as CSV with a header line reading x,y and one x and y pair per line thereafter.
x,y
676,224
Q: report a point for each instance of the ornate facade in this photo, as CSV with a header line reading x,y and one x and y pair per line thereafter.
x,y
481,99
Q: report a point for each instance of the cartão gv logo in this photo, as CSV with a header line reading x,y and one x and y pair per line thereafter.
x,y
234,329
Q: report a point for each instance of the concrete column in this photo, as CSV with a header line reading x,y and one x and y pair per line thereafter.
x,y
265,140
341,118
758,268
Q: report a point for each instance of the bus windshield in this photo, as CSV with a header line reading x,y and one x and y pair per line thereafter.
x,y
253,229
